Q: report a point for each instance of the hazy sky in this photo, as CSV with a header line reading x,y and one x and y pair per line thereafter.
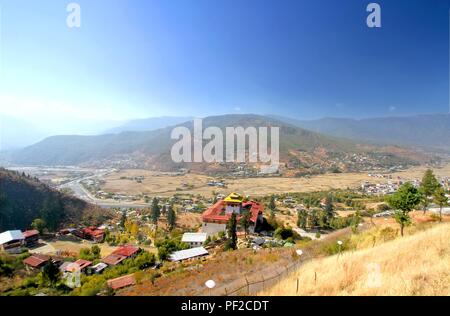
x,y
306,59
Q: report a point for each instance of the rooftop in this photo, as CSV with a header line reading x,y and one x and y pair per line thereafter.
x,y
216,213
36,260
122,282
126,251
188,254
10,235
113,259
83,263
234,198
194,237
30,233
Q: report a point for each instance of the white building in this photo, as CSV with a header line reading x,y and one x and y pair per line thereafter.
x,y
188,254
194,239
11,241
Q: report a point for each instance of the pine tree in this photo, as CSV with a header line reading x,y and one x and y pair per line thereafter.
x,y
232,232
245,221
123,220
171,218
155,213
329,212
427,187
272,205
440,199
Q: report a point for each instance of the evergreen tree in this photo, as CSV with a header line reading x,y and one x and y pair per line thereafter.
x,y
245,221
123,219
155,213
272,205
329,211
171,218
427,187
302,219
404,201
232,232
440,199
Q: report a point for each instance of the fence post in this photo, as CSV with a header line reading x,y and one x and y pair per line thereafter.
x,y
315,278
263,282
248,286
226,292
297,285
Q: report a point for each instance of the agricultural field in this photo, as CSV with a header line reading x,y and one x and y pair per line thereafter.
x,y
155,183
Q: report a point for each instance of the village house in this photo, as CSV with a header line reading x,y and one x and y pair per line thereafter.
x,y
215,218
81,265
90,233
122,282
31,238
11,241
188,254
36,261
194,239
99,268
120,254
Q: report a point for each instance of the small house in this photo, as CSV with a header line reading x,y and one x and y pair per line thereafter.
x,y
36,261
122,282
194,239
11,241
188,254
31,238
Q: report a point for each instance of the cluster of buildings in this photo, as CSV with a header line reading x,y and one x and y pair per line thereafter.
x,y
215,218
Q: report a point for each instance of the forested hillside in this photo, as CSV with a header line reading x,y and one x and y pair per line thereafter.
x,y
24,199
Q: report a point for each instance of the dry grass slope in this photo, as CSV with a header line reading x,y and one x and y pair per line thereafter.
x,y
415,265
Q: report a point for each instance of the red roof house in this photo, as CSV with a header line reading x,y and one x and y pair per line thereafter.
x,y
81,263
36,261
126,251
113,260
122,282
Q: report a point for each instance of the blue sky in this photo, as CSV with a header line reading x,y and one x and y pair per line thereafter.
x,y
304,59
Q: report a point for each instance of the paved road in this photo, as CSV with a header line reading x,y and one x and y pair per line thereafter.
x,y
80,192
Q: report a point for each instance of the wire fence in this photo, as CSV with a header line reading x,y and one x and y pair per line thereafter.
x,y
263,282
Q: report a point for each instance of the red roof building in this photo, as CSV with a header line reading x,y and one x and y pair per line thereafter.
x,y
217,213
31,237
122,282
81,263
113,260
36,261
126,251
91,233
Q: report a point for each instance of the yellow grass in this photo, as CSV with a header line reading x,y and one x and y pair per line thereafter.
x,y
414,265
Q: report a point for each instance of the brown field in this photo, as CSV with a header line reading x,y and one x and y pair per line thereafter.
x,y
417,264
73,246
165,185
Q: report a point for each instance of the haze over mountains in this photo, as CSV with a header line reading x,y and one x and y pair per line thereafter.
x,y
429,131
299,147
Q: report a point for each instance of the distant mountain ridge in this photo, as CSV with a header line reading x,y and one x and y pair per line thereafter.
x,y
430,131
300,149
148,124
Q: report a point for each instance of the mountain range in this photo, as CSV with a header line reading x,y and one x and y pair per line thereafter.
x,y
300,149
429,131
